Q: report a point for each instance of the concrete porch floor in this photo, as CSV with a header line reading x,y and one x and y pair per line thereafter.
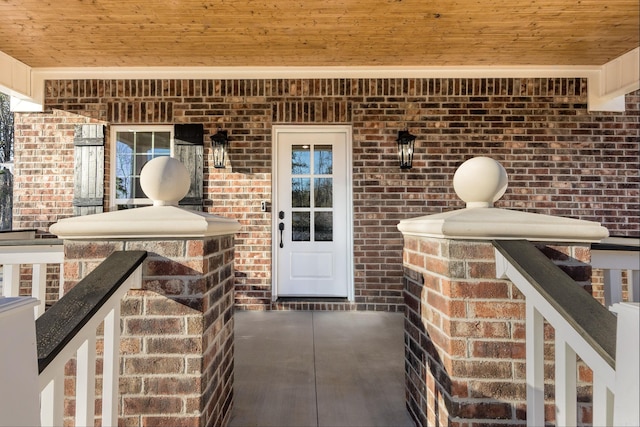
x,y
319,369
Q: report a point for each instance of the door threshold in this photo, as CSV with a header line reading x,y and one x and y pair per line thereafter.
x,y
312,299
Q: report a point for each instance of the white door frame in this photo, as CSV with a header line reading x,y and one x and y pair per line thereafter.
x,y
275,131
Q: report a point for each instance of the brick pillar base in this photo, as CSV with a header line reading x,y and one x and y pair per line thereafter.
x,y
177,341
465,333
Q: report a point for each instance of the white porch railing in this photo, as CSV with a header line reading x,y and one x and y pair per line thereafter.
x,y
66,330
583,328
614,256
35,252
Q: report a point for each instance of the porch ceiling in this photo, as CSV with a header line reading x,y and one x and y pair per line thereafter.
x,y
218,33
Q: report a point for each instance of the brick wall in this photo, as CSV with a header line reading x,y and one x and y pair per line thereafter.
x,y
465,335
43,185
561,159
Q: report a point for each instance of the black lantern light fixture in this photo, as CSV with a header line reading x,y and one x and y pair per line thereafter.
x,y
406,143
220,144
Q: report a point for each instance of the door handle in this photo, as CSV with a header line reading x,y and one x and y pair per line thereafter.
x,y
281,228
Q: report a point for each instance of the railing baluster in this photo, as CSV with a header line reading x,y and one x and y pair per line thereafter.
x,y
86,382
103,289
52,402
634,285
11,280
582,327
566,396
18,375
37,253
110,367
614,258
39,286
66,330
602,403
612,286
61,282
535,366
626,411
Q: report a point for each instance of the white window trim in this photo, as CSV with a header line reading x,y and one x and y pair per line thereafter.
x,y
113,131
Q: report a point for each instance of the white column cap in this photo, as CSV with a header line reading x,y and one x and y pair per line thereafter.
x,y
480,182
165,180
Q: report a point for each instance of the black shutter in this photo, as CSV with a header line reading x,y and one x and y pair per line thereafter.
x,y
88,188
189,149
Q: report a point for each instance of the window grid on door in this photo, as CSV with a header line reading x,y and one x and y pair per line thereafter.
x,y
312,193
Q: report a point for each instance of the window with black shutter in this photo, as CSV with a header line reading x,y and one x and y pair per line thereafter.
x,y
134,146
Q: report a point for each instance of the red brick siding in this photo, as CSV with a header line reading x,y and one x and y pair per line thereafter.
x,y
43,178
561,159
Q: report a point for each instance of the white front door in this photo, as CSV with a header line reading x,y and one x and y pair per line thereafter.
x,y
312,211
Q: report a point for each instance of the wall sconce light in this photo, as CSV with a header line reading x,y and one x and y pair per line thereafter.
x,y
405,149
220,144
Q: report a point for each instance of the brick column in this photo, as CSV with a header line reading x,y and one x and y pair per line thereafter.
x,y
465,330
465,333
176,362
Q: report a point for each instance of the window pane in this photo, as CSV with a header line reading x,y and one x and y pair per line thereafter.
x,y
124,187
323,196
128,206
300,226
322,159
138,189
161,144
141,160
133,150
126,142
124,164
300,160
144,143
300,192
323,227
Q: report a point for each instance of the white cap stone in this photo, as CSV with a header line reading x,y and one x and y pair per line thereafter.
x,y
166,181
480,182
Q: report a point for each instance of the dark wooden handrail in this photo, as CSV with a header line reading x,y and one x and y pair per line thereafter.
x,y
59,324
588,317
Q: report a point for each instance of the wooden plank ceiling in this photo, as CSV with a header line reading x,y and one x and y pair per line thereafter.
x,y
87,33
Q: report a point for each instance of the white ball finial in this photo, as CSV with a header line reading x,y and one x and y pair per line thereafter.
x,y
165,180
480,181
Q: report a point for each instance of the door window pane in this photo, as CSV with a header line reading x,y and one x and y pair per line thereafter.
x,y
300,160
323,192
312,191
300,192
300,226
322,160
323,227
